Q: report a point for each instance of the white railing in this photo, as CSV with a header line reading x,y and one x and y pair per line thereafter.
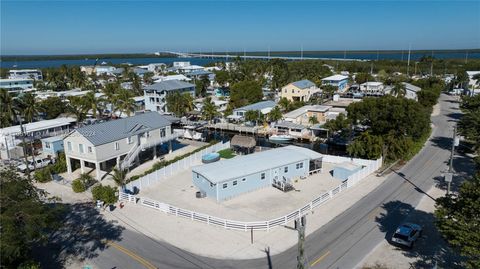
x,y
127,160
369,167
133,152
159,141
176,167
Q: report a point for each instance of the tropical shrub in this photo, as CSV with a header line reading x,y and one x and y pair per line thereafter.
x,y
78,186
105,194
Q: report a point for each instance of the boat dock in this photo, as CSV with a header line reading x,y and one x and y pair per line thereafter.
x,y
255,130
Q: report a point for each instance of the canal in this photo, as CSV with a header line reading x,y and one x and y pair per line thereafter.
x,y
324,148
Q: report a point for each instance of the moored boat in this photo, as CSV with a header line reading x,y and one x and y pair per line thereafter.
x,y
280,138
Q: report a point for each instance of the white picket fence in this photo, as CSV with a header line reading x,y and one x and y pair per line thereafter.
x,y
175,167
369,167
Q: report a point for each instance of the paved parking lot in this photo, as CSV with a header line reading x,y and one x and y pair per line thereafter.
x,y
262,204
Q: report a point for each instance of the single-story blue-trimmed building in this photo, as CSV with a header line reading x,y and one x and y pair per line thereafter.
x,y
51,146
226,179
263,107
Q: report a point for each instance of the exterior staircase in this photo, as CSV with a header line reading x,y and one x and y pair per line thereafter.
x,y
134,151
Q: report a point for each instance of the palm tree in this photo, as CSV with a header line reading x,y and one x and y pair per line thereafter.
x,y
120,177
284,103
77,108
11,110
399,89
209,110
252,115
7,114
312,120
187,100
275,114
93,103
125,102
29,106
110,95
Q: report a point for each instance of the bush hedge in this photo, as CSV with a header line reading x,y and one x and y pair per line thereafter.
x,y
44,175
161,164
105,194
78,186
82,183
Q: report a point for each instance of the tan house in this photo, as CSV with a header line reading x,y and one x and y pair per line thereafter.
x,y
302,115
116,142
87,69
300,90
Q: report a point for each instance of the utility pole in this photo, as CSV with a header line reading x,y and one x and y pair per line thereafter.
x,y
24,145
300,224
431,66
408,61
301,53
449,175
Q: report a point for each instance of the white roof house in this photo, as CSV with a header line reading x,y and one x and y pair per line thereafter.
x,y
302,115
372,87
263,107
171,77
227,179
411,91
16,84
473,84
224,170
335,78
8,135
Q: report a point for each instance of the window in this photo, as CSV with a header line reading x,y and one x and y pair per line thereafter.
x,y
80,148
285,169
129,140
224,185
117,146
69,146
262,176
89,149
234,183
47,145
244,179
293,91
299,165
197,175
162,132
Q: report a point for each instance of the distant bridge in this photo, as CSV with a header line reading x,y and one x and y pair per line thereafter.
x,y
262,57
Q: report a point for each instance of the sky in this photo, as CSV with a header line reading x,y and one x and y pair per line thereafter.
x,y
106,26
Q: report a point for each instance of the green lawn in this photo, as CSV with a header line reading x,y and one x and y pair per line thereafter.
x,y
226,153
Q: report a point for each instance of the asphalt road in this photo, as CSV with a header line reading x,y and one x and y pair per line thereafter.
x,y
342,243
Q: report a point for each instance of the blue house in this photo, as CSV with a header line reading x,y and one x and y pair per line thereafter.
x,y
263,107
226,179
51,146
338,81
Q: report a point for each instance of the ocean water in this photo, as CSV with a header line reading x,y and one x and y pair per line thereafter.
x,y
202,61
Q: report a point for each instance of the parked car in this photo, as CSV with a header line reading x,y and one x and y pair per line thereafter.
x,y
39,163
406,234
